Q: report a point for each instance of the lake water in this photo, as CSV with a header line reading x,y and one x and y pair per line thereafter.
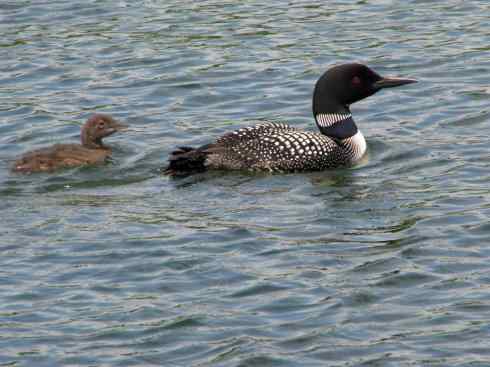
x,y
383,264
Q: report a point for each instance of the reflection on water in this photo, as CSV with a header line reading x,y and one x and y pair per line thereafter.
x,y
382,264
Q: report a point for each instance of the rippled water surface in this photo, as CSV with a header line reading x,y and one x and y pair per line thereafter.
x,y
383,264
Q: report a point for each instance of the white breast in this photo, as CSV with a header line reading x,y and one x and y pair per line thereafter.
x,y
357,144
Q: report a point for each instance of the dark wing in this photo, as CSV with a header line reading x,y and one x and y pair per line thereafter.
x,y
220,154
266,147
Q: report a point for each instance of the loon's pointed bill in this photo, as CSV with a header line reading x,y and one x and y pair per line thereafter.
x,y
278,147
390,82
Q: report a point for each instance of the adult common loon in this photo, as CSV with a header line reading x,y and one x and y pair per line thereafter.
x,y
278,147
91,151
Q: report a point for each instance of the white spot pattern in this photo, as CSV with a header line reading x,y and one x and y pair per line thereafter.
x,y
279,147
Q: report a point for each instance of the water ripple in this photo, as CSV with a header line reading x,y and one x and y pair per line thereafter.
x,y
385,264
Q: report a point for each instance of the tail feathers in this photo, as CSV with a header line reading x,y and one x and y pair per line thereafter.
x,y
186,160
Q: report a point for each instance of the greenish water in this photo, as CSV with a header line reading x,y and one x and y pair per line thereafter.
x,y
385,264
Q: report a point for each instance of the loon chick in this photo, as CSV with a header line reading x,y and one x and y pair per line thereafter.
x,y
278,147
91,151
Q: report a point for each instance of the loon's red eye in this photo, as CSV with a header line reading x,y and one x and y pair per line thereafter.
x,y
356,81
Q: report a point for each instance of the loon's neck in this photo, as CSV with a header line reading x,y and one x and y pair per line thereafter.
x,y
338,125
333,118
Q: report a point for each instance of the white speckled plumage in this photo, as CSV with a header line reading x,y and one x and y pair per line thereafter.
x,y
281,148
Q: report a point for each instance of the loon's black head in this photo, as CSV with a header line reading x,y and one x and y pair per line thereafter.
x,y
344,84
